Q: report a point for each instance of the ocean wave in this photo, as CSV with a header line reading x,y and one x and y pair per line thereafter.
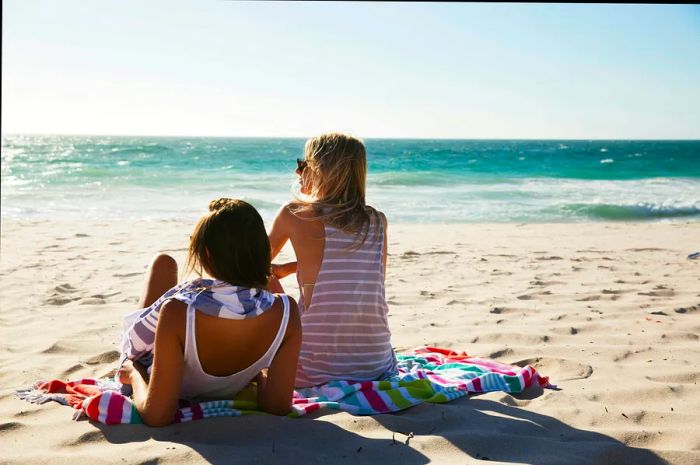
x,y
434,178
641,211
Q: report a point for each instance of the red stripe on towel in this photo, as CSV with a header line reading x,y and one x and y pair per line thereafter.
x,y
196,411
92,410
476,382
373,397
115,408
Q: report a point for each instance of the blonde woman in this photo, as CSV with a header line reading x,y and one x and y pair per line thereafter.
x,y
341,248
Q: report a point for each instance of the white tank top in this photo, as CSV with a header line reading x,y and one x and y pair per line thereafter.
x,y
197,383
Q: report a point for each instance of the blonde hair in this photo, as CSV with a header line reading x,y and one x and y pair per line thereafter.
x,y
336,168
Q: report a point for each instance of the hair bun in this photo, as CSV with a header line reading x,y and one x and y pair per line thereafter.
x,y
219,204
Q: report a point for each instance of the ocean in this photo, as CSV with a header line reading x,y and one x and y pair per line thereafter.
x,y
412,181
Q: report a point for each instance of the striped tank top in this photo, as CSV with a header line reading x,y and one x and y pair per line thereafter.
x,y
345,330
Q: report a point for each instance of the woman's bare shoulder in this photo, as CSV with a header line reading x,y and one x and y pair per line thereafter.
x,y
298,211
377,214
172,318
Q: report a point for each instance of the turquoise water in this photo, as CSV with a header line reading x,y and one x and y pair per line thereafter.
x,y
432,181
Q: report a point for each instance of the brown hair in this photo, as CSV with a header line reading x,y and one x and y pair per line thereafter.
x,y
336,167
231,244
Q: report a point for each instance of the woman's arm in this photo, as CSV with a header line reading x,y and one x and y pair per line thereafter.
x,y
276,388
282,270
156,400
279,233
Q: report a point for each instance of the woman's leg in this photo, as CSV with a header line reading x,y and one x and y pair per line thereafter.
x,y
161,276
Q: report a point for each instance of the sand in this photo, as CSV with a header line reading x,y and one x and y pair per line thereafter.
x,y
610,311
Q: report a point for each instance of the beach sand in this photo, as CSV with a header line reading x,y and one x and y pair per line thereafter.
x,y
610,311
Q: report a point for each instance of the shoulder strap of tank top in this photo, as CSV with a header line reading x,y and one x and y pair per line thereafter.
x,y
190,337
283,325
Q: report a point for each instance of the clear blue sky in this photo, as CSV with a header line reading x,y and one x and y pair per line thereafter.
x,y
376,70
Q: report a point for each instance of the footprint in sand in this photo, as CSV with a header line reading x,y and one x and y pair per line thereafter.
x,y
126,275
615,291
533,295
566,330
545,283
105,357
504,310
691,309
501,273
658,293
92,301
680,378
552,257
87,438
629,353
61,295
500,353
10,426
67,373
65,289
58,300
104,296
558,369
56,348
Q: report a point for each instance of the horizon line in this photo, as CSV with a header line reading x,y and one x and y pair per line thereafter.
x,y
3,135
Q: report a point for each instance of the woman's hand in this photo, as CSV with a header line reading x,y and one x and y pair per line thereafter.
x,y
283,270
129,369
125,372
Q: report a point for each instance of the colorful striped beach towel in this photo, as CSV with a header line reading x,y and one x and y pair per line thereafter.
x,y
428,374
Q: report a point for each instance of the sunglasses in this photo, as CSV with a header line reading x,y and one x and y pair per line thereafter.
x,y
301,165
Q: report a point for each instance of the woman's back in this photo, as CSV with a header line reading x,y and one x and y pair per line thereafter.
x,y
222,356
344,318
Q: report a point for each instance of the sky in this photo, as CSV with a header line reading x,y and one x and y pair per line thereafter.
x,y
296,69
